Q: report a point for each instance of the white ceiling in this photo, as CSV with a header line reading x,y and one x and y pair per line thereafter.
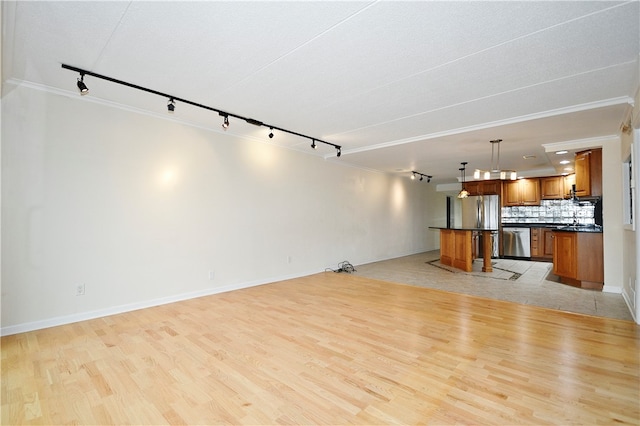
x,y
401,86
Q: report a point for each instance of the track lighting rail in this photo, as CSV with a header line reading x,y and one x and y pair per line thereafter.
x,y
225,114
422,176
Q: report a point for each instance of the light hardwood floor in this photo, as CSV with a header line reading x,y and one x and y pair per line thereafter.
x,y
327,349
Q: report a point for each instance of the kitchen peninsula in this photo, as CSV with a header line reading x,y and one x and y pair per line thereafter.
x,y
456,247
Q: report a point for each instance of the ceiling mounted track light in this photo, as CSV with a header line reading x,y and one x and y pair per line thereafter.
x,y
84,90
313,144
171,106
422,176
81,86
495,172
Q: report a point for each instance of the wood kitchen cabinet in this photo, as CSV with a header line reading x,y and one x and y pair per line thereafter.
x,y
542,244
456,248
569,181
578,258
588,167
552,188
521,192
483,187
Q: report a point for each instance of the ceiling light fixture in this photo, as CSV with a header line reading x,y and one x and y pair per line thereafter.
x,y
171,106
495,172
422,176
271,133
313,144
81,86
84,90
463,192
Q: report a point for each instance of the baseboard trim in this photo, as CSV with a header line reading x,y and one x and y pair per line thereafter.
x,y
611,289
100,313
625,297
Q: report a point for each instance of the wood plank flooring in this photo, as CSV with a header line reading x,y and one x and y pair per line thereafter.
x,y
327,349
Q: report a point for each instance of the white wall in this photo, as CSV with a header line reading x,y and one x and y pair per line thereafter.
x,y
140,209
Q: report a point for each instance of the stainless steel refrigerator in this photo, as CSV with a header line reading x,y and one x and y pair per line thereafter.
x,y
483,211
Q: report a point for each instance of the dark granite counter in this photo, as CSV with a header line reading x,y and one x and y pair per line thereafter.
x,y
579,228
459,228
556,226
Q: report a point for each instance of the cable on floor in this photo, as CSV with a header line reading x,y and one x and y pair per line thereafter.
x,y
344,266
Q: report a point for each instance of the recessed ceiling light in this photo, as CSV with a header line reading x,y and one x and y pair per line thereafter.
x,y
565,162
561,152
528,157
568,169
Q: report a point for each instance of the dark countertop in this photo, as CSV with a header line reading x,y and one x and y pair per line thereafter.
x,y
533,225
564,227
579,228
458,228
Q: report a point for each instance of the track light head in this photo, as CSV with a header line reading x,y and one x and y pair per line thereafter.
x,y
313,144
271,133
81,86
171,106
339,151
421,178
429,178
413,175
225,122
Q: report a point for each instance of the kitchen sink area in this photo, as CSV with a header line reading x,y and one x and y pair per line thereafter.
x,y
565,232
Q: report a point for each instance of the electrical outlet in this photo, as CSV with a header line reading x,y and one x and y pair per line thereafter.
x,y
80,290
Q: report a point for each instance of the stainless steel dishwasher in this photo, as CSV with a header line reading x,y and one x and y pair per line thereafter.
x,y
516,242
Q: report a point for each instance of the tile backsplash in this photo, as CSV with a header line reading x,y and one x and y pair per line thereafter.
x,y
551,211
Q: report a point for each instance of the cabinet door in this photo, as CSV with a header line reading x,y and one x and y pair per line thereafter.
x,y
491,187
447,246
511,193
583,168
569,181
546,241
595,172
551,188
473,188
564,254
530,192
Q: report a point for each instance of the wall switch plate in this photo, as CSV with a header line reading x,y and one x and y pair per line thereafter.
x,y
212,275
80,290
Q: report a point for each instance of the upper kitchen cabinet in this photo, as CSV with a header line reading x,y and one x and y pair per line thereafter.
x,y
521,192
552,188
556,187
569,181
588,166
483,187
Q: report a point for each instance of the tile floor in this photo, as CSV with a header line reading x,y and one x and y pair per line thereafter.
x,y
530,283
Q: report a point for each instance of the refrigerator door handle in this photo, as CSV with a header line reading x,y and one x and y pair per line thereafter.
x,y
480,214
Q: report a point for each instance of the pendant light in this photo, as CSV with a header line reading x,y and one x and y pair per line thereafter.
x,y
495,172
463,192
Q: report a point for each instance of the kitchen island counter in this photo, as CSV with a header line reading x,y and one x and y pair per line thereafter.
x,y
456,247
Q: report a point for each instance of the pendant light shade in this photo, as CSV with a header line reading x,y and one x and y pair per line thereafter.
x,y
463,192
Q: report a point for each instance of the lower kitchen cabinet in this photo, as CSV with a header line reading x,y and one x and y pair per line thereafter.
x,y
542,244
456,248
578,258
